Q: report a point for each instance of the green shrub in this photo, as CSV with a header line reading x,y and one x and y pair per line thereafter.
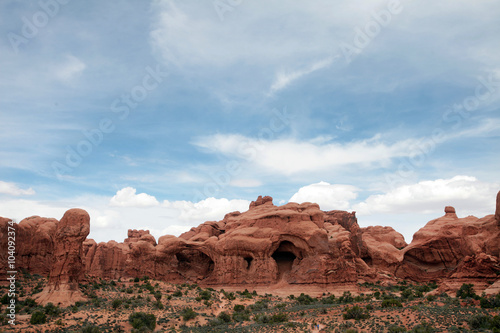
x,y
138,320
38,317
305,299
230,296
224,316
239,308
52,310
424,327
116,303
241,316
328,300
90,329
395,329
258,306
356,313
484,322
391,303
346,297
188,314
279,318
466,291
491,302
205,295
177,293
431,298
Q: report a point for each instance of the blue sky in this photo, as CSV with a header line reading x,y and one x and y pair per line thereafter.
x,y
165,114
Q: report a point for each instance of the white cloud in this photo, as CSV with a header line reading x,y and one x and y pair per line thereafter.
x,y
245,183
209,209
283,79
290,156
111,223
70,68
467,194
13,189
127,197
328,196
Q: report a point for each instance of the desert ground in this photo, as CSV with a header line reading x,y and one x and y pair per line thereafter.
x,y
143,305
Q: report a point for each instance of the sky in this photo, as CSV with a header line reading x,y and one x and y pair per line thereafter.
x,y
161,115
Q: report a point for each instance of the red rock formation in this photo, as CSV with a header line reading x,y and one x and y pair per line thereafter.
x,y
293,243
68,268
497,212
451,246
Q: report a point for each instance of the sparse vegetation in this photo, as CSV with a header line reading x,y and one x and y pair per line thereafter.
x,y
403,307
140,320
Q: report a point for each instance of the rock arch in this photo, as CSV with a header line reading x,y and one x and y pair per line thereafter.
x,y
193,265
285,255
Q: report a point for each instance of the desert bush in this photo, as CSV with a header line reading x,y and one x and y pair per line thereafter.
x,y
424,327
90,329
491,302
247,294
346,297
224,316
116,303
466,291
395,329
391,303
279,318
239,308
305,299
138,320
230,296
177,293
484,322
188,314
241,316
274,319
258,306
51,310
328,300
205,295
29,302
356,313
38,317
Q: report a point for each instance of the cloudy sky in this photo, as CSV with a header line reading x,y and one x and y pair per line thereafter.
x,y
165,114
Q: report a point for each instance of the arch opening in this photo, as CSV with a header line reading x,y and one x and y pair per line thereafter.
x,y
285,256
194,265
248,261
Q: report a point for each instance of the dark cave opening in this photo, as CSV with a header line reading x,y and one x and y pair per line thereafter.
x,y
249,261
194,265
284,257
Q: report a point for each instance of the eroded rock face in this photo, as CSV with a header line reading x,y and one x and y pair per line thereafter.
x,y
268,244
294,243
68,267
34,244
497,212
452,247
